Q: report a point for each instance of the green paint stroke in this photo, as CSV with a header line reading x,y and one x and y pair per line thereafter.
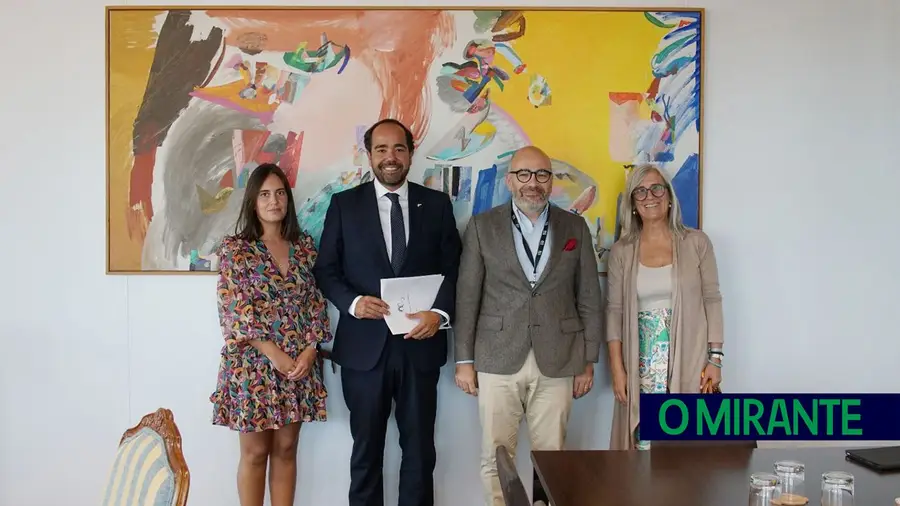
x,y
653,19
671,48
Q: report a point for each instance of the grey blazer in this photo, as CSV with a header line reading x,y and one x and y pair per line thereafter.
x,y
499,317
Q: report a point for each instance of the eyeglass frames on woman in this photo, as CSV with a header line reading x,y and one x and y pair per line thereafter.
x,y
524,175
658,190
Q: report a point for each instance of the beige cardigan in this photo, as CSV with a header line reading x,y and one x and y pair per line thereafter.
x,y
696,320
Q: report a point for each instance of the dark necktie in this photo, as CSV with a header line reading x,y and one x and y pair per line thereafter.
x,y
398,233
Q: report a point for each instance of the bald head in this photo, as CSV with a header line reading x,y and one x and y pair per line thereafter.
x,y
529,157
530,180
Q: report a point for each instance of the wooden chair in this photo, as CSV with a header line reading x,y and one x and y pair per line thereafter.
x,y
514,493
149,468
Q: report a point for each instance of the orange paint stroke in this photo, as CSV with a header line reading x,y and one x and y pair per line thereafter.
x,y
620,98
398,57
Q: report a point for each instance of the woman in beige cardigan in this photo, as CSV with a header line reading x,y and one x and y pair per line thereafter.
x,y
664,313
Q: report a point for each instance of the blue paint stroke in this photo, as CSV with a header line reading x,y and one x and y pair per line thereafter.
x,y
199,263
475,143
484,190
244,175
687,186
464,192
502,194
346,59
311,213
682,50
676,65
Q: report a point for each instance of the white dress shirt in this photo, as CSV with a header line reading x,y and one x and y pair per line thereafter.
x,y
384,215
531,232
384,211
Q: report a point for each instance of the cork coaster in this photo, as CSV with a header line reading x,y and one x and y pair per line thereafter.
x,y
790,500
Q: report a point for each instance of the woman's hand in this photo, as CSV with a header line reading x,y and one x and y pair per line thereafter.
x,y
620,382
282,362
712,376
304,364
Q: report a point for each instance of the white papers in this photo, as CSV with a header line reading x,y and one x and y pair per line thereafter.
x,y
406,296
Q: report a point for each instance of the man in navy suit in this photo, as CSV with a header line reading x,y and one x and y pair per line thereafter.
x,y
383,229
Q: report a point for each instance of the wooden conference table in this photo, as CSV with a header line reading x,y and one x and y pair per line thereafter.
x,y
693,476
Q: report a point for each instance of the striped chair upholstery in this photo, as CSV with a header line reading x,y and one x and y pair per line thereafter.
x,y
149,469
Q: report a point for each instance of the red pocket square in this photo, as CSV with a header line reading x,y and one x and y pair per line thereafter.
x,y
570,245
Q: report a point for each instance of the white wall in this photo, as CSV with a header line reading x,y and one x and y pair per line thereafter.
x,y
799,198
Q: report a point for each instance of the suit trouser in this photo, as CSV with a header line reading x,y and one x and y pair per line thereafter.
x,y
369,395
502,402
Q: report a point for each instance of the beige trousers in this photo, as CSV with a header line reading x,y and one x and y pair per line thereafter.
x,y
503,400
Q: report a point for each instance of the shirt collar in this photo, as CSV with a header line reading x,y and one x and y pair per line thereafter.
x,y
525,221
381,191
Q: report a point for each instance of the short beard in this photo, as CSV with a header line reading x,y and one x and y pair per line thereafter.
x,y
379,174
530,206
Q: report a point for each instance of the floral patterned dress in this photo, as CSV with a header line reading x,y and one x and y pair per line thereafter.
x,y
257,302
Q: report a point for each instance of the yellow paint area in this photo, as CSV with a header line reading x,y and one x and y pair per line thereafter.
x,y
131,50
583,56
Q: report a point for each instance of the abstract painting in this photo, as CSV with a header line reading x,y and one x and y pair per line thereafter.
x,y
199,97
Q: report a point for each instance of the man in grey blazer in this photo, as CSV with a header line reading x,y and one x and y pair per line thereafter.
x,y
528,315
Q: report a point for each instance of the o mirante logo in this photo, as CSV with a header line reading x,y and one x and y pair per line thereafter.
x,y
770,416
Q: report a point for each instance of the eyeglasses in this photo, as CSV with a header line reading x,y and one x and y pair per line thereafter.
x,y
658,190
524,175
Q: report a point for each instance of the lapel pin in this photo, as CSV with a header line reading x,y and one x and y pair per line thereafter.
x,y
419,204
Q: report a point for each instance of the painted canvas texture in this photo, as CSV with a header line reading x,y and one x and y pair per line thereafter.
x,y
198,98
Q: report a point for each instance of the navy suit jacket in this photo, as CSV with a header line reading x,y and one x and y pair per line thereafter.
x,y
353,259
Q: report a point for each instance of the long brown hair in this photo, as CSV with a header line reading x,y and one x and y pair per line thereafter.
x,y
248,226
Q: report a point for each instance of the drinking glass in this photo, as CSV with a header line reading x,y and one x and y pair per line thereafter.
x,y
793,483
765,489
837,489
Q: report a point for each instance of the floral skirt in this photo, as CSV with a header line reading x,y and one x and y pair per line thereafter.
x,y
653,335
251,396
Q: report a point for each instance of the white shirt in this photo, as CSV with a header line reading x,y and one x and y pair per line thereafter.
x,y
531,233
384,211
384,215
654,287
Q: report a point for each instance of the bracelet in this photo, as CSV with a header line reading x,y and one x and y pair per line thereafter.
x,y
714,364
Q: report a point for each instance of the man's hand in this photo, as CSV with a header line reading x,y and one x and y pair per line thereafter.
x,y
429,322
466,379
584,382
372,308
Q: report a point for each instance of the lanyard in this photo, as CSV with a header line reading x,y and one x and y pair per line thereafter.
x,y
534,259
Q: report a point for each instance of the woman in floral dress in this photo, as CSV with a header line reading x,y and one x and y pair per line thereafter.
x,y
273,317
